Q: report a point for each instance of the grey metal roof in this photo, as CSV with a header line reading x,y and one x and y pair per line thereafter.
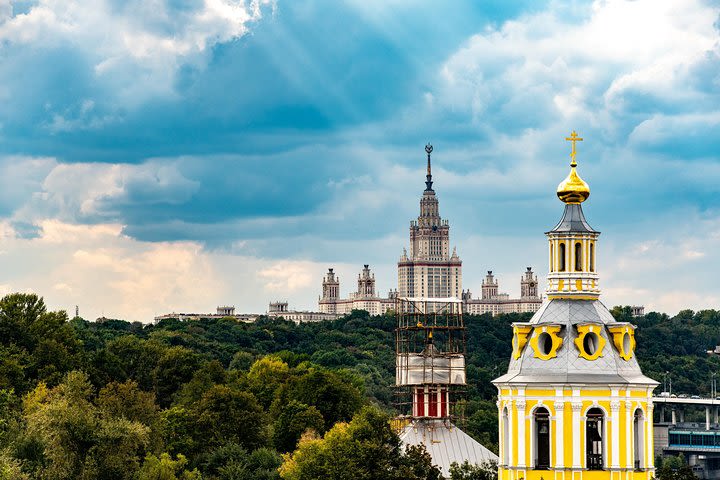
x,y
573,220
568,366
445,443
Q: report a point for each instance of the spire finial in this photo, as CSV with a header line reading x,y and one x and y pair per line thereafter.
x,y
573,138
573,189
428,181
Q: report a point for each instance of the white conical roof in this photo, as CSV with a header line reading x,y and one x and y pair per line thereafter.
x,y
445,443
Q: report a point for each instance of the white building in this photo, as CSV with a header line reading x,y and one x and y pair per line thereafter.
x,y
429,270
492,301
364,298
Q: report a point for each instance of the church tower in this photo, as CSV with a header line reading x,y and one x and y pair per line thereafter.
x,y
574,404
430,270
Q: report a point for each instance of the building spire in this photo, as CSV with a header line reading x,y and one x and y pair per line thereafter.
x,y
428,181
573,190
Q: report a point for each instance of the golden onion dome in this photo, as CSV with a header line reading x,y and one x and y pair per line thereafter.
x,y
573,189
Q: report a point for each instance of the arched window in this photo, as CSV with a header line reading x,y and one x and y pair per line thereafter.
x,y
578,257
561,252
594,439
542,439
506,437
552,259
638,439
592,257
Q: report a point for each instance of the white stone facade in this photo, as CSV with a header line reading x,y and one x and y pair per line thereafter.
x,y
492,301
430,270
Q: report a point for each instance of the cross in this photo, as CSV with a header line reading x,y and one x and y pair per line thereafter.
x,y
573,138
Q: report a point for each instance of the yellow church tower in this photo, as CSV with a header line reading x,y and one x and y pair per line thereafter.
x,y
574,404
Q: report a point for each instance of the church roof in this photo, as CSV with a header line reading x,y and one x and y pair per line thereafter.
x,y
568,366
445,443
573,220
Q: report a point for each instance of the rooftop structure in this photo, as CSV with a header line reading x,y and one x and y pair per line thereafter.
x,y
430,378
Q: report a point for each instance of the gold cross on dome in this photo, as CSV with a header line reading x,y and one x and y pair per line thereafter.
x,y
573,138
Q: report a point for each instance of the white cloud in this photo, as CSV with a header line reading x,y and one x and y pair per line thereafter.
x,y
136,45
95,191
572,65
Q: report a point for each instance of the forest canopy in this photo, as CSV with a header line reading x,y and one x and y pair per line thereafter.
x,y
219,399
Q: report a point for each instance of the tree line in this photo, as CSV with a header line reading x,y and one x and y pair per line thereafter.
x,y
218,399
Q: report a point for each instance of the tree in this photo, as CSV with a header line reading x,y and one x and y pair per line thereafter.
x,y
10,468
364,449
265,377
242,361
126,400
336,399
295,418
165,468
77,440
228,415
232,461
176,367
467,471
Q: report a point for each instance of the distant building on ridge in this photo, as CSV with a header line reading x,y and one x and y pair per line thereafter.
x,y
429,270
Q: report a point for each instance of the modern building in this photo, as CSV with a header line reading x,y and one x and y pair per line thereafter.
x,y
697,441
574,403
430,379
429,270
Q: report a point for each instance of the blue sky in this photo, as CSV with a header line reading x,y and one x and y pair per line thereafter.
x,y
172,155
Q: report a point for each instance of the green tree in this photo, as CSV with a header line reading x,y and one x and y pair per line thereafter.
x,y
336,399
364,449
228,415
265,377
10,468
294,419
467,471
175,368
232,461
165,468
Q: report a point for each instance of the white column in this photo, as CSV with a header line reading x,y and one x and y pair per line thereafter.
x,y
511,436
629,438
615,438
501,438
576,434
649,443
707,418
521,432
559,434
426,402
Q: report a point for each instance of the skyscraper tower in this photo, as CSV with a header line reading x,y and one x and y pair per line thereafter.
x,y
430,270
430,378
574,403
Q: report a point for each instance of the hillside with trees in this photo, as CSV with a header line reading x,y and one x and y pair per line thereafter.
x,y
218,399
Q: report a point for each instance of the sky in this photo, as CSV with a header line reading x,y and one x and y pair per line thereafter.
x,y
165,156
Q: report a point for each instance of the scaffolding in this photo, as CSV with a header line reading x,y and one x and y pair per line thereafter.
x,y
430,351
